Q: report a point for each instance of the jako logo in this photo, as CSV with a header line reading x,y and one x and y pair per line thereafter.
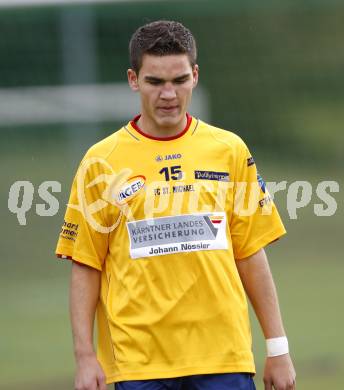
x,y
130,188
174,156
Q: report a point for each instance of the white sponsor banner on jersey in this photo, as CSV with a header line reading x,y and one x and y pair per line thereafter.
x,y
181,233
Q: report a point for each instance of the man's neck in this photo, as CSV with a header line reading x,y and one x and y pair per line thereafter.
x,y
150,128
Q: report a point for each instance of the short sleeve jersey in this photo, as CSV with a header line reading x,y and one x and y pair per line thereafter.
x,y
165,221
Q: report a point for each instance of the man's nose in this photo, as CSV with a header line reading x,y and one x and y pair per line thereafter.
x,y
168,91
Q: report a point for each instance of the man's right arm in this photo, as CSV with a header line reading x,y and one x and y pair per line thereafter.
x,y
84,295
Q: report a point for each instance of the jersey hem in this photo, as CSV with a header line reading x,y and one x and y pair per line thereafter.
x,y
261,242
186,371
78,257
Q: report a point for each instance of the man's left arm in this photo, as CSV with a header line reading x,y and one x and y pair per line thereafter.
x,y
255,274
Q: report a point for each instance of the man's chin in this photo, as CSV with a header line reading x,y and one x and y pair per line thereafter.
x,y
170,120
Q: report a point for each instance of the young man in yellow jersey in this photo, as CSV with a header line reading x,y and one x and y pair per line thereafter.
x,y
166,226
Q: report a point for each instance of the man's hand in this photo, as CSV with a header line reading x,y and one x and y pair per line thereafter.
x,y
89,374
279,373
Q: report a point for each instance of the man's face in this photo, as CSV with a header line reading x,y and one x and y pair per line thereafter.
x,y
165,84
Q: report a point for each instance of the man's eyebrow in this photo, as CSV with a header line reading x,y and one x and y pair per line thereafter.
x,y
158,79
153,78
182,77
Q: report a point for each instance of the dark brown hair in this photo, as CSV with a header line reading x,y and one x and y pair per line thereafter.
x,y
161,38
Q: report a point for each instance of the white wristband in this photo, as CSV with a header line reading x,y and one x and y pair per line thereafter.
x,y
277,346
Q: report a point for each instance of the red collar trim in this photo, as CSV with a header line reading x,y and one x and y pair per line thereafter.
x,y
136,127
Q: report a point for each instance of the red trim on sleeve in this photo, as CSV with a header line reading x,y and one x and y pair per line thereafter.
x,y
64,257
137,128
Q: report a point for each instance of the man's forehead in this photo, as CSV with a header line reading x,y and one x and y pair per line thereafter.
x,y
165,67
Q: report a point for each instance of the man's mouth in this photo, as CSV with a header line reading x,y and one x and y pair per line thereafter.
x,y
168,108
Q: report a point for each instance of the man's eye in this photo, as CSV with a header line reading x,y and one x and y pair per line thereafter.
x,y
155,82
182,81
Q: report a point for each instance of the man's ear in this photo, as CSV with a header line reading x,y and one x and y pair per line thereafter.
x,y
132,80
195,72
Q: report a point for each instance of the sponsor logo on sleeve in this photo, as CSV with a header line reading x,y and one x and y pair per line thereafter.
x,y
212,175
265,201
69,231
261,183
250,161
173,234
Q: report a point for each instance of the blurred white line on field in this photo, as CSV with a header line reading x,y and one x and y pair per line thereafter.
x,y
79,104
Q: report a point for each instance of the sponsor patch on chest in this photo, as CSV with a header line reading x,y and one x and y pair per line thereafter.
x,y
130,189
173,234
212,175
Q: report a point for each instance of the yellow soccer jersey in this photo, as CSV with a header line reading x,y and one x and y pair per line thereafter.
x,y
164,221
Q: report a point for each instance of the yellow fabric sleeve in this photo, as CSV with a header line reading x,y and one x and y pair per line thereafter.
x,y
255,220
81,237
